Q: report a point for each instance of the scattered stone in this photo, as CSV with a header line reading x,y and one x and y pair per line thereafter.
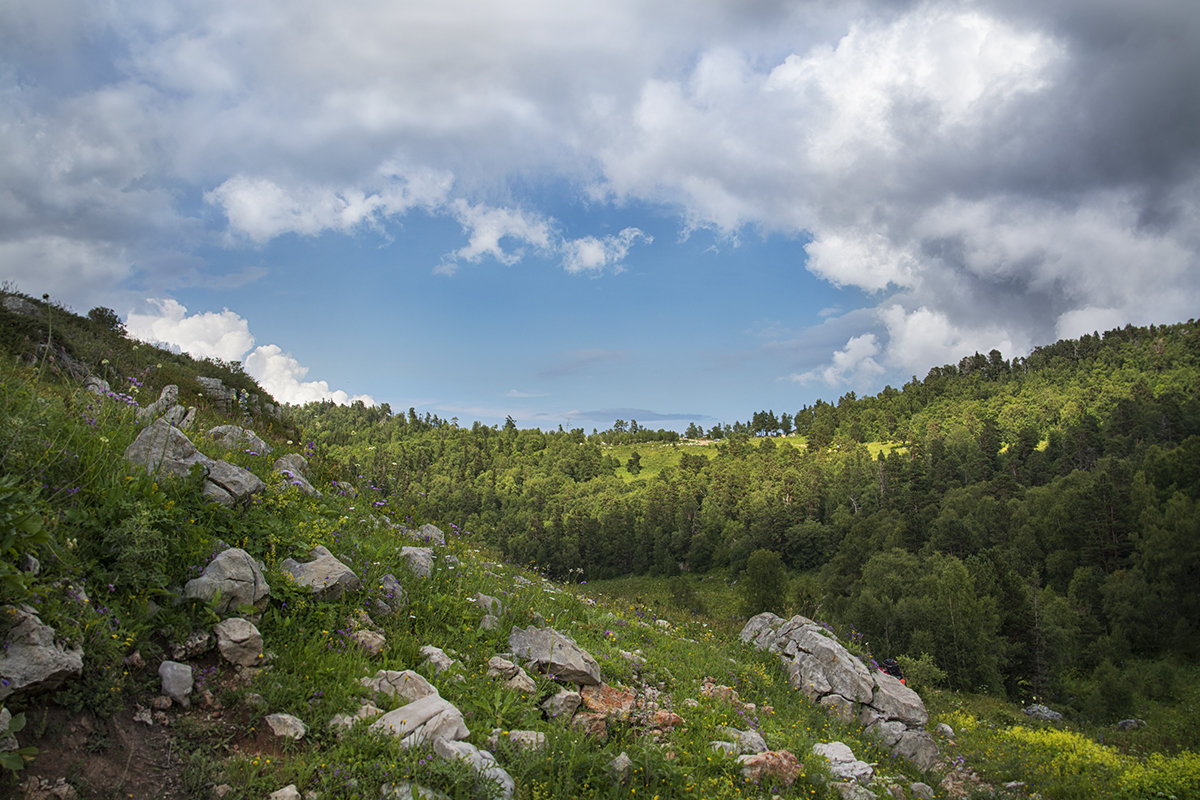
x,y
922,790
419,559
229,484
160,703
564,704
843,764
490,605
942,729
431,534
725,748
289,792
1131,724
665,720
142,714
327,577
164,449
620,767
221,790
235,437
592,724
286,726
167,398
522,740
1039,711
918,748
425,719
239,641
236,577
176,682
780,765
748,742
410,791
31,661
195,645
483,762
554,654
393,599
608,700
370,641
436,658
294,467
489,623
406,684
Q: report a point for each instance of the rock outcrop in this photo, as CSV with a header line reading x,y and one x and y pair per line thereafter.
x,y
326,576
31,661
553,653
163,449
233,577
817,664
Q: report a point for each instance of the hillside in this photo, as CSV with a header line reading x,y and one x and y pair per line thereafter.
x,y
530,521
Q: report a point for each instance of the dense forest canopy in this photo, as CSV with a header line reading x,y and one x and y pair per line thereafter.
x,y
1016,520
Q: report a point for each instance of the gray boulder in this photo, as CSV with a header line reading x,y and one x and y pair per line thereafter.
x,y
425,719
166,399
1044,713
287,726
419,560
31,661
239,641
481,761
843,763
163,449
327,577
431,534
294,468
228,484
399,683
562,705
233,576
392,597
236,437
176,682
555,654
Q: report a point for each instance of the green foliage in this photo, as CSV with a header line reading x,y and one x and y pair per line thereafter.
x,y
22,529
15,760
921,673
764,583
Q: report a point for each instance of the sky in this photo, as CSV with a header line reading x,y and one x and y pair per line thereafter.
x,y
672,211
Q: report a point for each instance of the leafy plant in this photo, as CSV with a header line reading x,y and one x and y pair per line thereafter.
x,y
22,528
15,760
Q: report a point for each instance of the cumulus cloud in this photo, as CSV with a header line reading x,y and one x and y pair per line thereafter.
x,y
593,255
226,336
223,335
282,375
853,365
987,172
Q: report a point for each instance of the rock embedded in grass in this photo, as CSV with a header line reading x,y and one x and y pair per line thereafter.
x,y
286,726
177,682
553,653
235,577
32,660
325,575
239,641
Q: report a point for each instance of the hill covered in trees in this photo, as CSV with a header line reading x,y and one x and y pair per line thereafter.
x,y
1018,521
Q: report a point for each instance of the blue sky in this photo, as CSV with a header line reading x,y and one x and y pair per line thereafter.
x,y
570,213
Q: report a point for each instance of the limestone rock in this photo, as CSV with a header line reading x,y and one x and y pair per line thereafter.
x,y
236,577
419,560
555,654
30,659
897,701
407,684
286,726
780,765
562,705
425,719
843,763
483,762
176,682
1045,714
410,791
917,747
294,468
236,437
436,657
430,534
370,641
166,399
592,724
490,605
289,792
239,641
522,740
327,577
228,484
392,597
164,449
620,767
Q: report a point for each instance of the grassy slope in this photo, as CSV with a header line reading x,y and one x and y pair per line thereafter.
x,y
132,540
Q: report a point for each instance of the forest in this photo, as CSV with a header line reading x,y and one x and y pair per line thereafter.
x,y
1020,523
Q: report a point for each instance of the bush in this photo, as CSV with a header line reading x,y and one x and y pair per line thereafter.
x,y
764,583
921,673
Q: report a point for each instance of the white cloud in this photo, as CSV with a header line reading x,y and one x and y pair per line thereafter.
x,y
853,365
590,254
923,338
223,335
281,375
226,336
519,394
